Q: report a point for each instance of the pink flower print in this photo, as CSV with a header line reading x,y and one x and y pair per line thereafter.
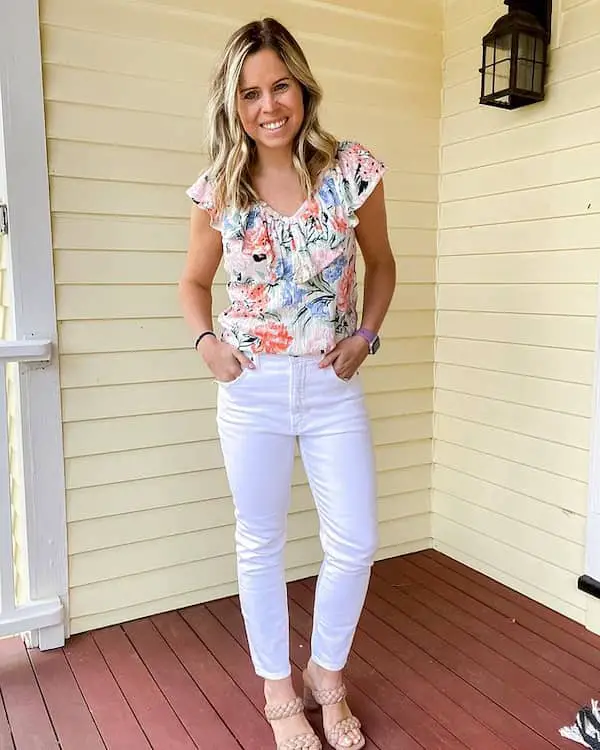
x,y
323,341
257,243
340,224
257,298
369,168
345,289
311,210
273,338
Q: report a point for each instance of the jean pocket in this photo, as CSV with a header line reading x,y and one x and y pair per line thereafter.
x,y
235,381
345,381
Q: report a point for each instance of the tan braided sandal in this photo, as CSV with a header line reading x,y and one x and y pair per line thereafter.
x,y
314,699
278,711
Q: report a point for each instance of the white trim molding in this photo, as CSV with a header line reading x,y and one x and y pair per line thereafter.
x,y
590,581
26,191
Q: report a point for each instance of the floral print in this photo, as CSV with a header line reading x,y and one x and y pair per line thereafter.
x,y
292,279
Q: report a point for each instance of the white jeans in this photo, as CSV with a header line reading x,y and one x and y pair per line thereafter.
x,y
260,416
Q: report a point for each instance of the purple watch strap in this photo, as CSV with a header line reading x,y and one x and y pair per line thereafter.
x,y
370,336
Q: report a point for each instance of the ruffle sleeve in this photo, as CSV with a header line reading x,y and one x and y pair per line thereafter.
x,y
361,172
201,193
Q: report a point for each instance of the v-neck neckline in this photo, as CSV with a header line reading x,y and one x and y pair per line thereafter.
x,y
268,208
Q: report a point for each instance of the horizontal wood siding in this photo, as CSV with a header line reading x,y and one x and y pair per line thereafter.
x,y
517,277
149,512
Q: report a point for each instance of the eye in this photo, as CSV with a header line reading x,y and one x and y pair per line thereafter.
x,y
283,86
250,95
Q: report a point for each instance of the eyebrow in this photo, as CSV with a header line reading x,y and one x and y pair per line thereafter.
x,y
251,88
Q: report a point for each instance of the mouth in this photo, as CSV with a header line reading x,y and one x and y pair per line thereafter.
x,y
274,126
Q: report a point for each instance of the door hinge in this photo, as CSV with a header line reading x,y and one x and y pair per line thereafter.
x,y
3,218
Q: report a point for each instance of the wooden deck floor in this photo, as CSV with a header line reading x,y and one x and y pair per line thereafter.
x,y
444,659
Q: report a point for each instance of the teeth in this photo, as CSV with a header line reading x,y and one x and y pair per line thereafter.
x,y
274,125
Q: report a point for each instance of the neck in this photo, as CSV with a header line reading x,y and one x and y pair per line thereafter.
x,y
274,160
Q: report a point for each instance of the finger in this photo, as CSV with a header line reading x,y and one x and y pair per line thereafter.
x,y
243,360
330,357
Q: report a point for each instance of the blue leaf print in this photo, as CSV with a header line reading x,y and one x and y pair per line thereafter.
x,y
334,270
319,308
284,269
291,295
253,217
328,193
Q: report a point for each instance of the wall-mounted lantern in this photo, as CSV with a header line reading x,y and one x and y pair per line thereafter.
x,y
515,55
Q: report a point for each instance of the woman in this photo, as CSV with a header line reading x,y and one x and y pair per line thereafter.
x,y
283,204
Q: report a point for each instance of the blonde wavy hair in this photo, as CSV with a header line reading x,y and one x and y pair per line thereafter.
x,y
232,153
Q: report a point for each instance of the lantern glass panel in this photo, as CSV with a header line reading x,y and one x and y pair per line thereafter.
x,y
530,63
489,56
527,46
525,62
502,67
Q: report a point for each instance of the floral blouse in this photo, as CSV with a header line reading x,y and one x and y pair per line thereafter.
x,y
292,279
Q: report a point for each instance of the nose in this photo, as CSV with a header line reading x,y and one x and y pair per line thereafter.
x,y
268,102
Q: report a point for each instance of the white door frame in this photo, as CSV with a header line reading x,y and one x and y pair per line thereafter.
x,y
590,581
34,312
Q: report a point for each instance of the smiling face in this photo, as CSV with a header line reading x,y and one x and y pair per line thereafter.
x,y
270,103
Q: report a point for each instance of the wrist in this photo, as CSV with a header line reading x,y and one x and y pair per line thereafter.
x,y
370,337
203,338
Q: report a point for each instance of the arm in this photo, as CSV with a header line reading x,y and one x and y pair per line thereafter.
x,y
380,282
204,253
202,260
380,266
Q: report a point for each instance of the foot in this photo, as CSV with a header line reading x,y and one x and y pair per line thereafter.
x,y
319,679
281,693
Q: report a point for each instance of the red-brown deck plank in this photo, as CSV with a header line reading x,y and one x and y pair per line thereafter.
x,y
443,659
68,711
564,623
501,705
549,641
112,714
188,701
233,706
536,676
159,722
6,740
227,651
25,708
453,672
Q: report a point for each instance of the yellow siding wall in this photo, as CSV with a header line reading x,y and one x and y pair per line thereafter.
x,y
517,303
150,519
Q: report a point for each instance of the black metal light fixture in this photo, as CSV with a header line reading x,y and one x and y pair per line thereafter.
x,y
515,55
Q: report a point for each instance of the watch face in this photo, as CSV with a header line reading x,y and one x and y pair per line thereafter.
x,y
375,345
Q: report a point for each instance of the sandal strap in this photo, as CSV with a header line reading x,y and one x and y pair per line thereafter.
x,y
342,728
276,711
330,697
301,742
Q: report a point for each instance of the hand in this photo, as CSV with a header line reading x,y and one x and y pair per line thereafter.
x,y
347,356
223,360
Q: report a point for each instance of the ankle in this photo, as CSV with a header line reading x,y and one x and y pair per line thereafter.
x,y
323,677
277,691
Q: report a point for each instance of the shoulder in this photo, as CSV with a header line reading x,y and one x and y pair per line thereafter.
x,y
202,191
360,171
353,153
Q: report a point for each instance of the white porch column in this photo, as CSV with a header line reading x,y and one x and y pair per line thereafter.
x,y
26,190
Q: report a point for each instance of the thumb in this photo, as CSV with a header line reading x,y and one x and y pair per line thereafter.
x,y
244,361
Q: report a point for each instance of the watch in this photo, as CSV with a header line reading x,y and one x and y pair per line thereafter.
x,y
371,338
